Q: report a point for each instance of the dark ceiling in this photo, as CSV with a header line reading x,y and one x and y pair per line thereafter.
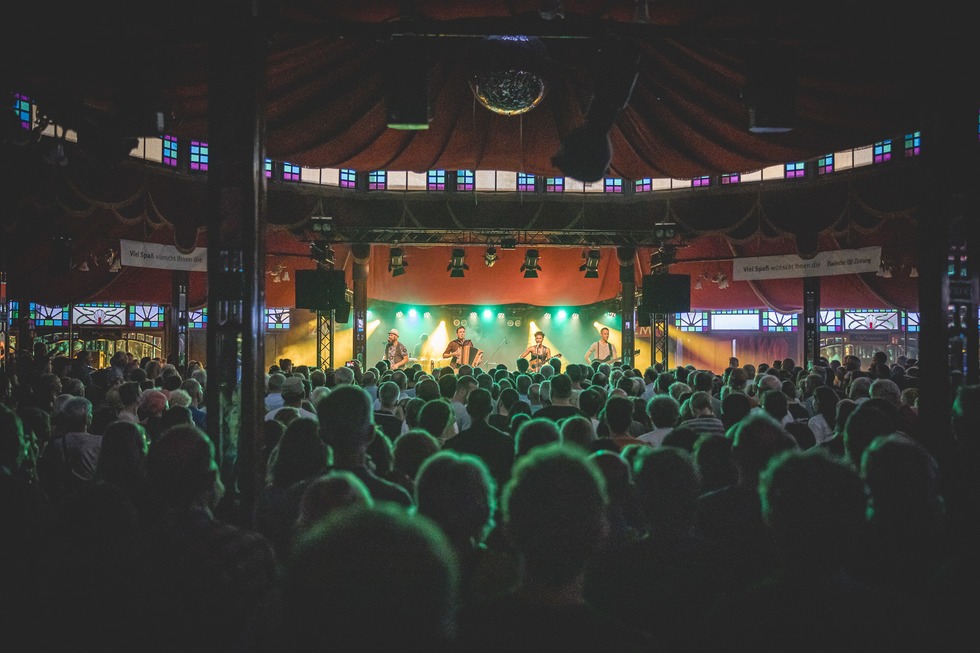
x,y
858,77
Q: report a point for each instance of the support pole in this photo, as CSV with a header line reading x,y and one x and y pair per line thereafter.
x,y
236,196
627,278
811,321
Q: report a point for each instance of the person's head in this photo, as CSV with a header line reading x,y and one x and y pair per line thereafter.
x,y
578,430
176,415
122,458
533,433
458,493
591,401
604,333
775,403
479,404
182,469
903,482
360,562
343,376
561,388
539,337
713,457
437,419
75,415
554,509
756,439
388,393
886,389
334,490
814,505
411,449
275,381
393,336
293,391
346,418
871,418
617,414
301,453
667,484
461,333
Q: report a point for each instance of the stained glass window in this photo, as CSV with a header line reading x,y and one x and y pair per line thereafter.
x,y
911,321
276,318
795,170
831,321
145,316
268,168
691,321
197,319
348,178
913,144
290,172
22,107
525,182
49,316
612,185
199,155
825,164
435,180
99,314
701,182
644,185
465,180
882,151
735,320
730,178
773,321
871,320
170,151
377,180
554,184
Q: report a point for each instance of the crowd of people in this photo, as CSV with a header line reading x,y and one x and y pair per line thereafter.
x,y
579,507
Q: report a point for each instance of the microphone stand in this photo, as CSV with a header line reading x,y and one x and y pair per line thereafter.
x,y
494,353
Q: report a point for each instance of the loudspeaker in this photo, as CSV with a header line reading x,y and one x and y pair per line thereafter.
x,y
666,293
341,314
321,290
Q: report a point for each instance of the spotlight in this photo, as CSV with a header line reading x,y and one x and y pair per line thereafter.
x,y
530,267
508,243
490,257
456,265
427,315
397,262
322,253
591,265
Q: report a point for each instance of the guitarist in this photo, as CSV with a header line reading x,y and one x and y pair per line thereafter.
x,y
602,349
539,352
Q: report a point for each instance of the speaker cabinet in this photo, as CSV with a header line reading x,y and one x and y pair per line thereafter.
x,y
321,290
666,293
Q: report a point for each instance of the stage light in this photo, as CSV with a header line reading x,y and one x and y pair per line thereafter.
x,y
456,263
591,265
487,314
427,315
412,312
562,314
508,243
500,316
397,262
530,267
574,316
490,257
399,314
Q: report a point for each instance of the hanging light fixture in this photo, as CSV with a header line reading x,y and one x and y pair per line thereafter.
x,y
490,256
397,262
457,264
591,265
530,268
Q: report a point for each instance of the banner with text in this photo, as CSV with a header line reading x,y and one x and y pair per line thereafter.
x,y
163,257
845,261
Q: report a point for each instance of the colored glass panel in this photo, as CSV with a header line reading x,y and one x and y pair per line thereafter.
x,y
199,155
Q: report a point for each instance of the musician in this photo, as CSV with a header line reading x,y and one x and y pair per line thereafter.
x,y
421,346
395,352
455,347
602,349
539,352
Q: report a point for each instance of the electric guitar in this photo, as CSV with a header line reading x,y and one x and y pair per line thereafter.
x,y
536,363
610,359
